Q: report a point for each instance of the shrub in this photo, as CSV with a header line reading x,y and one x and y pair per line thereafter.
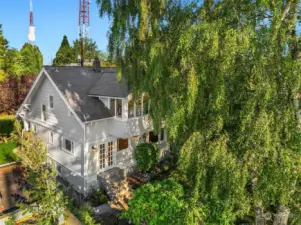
x,y
6,125
16,134
83,213
147,156
96,197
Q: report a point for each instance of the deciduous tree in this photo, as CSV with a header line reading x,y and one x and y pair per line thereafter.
x,y
47,200
228,71
32,59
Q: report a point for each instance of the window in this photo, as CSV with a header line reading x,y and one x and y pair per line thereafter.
x,y
138,107
112,106
50,137
119,107
145,105
44,112
102,156
122,144
29,126
153,137
110,153
162,135
68,145
50,101
130,109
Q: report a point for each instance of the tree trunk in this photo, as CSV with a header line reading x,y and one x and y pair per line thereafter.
x,y
259,219
281,217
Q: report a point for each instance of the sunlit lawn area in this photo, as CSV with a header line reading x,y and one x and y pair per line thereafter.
x,y
6,152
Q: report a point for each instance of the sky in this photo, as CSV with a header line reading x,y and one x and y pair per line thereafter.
x,y
53,19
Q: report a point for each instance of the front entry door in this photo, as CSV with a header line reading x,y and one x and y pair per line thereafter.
x,y
107,155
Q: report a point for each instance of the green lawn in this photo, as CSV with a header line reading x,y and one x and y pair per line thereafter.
x,y
6,152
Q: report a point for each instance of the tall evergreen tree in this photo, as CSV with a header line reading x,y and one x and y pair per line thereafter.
x,y
224,76
64,55
3,49
32,59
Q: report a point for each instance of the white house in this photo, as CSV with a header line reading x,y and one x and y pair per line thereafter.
x,y
89,120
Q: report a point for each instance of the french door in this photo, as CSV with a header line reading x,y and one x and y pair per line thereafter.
x,y
107,155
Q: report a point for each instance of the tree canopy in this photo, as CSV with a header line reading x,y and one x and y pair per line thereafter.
x,y
47,201
3,49
27,61
90,50
224,76
32,59
64,55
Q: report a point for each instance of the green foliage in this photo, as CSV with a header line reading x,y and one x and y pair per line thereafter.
x,y
6,125
32,59
160,203
16,135
3,49
6,152
147,156
13,63
216,179
90,50
64,55
10,221
83,213
96,197
223,76
42,189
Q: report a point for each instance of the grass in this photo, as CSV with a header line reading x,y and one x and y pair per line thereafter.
x,y
6,152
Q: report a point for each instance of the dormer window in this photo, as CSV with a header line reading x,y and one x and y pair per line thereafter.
x,y
131,109
112,106
116,107
119,107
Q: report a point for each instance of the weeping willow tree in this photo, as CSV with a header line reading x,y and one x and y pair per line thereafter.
x,y
224,76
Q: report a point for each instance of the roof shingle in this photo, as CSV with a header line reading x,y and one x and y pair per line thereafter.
x,y
77,83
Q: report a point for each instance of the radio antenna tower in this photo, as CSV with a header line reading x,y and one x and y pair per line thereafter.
x,y
84,24
31,31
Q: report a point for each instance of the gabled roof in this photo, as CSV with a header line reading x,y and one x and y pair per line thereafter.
x,y
109,86
75,84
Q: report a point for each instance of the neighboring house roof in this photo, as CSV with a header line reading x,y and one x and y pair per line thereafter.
x,y
109,86
76,83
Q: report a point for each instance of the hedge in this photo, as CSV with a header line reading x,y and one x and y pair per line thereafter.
x,y
6,125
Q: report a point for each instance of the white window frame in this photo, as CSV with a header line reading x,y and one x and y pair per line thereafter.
x,y
63,145
50,137
49,102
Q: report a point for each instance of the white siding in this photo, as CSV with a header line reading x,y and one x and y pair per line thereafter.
x,y
59,123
